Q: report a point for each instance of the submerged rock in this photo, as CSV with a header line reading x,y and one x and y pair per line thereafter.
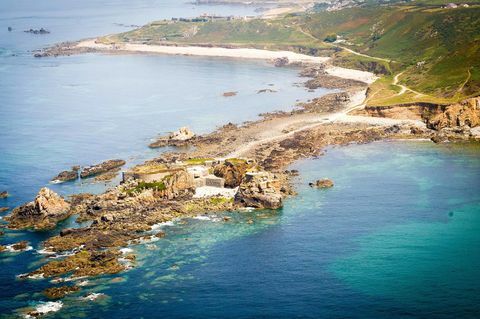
x,y
322,183
60,292
177,138
101,168
83,263
44,212
266,91
4,194
3,209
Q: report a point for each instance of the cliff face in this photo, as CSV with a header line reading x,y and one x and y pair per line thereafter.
x,y
463,114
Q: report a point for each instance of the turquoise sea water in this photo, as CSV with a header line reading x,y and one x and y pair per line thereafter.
x,y
397,237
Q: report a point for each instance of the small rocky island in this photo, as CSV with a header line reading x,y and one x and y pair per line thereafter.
x,y
37,31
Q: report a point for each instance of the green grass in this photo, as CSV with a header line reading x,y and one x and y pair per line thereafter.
x,y
437,49
445,41
197,161
141,186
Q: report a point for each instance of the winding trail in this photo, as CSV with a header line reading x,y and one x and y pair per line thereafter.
x,y
282,128
404,88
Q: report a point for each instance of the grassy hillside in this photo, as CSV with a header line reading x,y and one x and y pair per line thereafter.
x,y
438,48
258,33
425,52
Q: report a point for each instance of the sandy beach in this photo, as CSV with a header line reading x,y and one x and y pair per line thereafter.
x,y
239,53
243,53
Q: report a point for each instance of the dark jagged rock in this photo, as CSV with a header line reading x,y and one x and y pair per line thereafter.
x,y
322,183
44,212
266,91
66,176
37,31
101,168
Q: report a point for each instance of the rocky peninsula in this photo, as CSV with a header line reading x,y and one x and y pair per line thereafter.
x,y
234,167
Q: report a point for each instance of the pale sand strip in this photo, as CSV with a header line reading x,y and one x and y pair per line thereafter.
x,y
242,53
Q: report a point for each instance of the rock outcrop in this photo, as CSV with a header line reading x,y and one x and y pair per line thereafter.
x,y
322,183
260,190
279,62
44,212
101,168
66,176
177,138
463,114
4,194
232,172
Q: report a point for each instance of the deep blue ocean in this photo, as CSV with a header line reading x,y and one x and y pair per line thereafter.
x,y
397,237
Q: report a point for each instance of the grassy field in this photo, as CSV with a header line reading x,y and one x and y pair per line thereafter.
x,y
436,50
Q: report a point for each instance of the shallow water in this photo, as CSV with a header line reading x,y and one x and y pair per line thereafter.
x,y
80,110
396,237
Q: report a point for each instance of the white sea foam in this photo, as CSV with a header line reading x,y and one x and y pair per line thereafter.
x,y
10,249
161,225
36,276
83,283
45,252
44,308
202,217
92,296
212,218
126,250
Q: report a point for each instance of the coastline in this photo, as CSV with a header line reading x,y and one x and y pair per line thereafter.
x,y
128,214
92,45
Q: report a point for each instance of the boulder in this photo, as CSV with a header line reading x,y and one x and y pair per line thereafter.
x,y
4,194
177,138
260,190
279,62
322,183
44,212
229,94
231,171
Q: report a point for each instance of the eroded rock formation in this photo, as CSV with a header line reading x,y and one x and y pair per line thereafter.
x,y
44,212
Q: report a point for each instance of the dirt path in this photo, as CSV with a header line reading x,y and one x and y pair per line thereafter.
x,y
469,75
282,128
404,88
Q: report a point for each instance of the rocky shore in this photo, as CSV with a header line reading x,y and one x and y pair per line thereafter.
x,y
248,160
